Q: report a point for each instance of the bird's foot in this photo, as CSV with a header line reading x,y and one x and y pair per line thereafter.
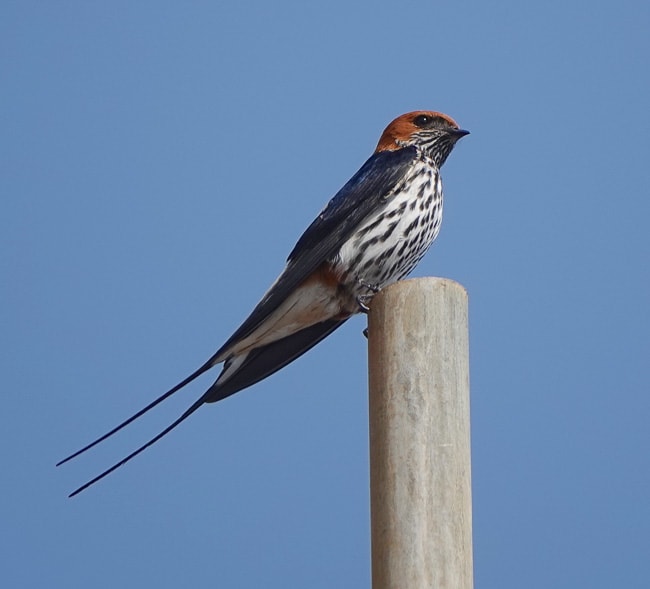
x,y
371,287
361,301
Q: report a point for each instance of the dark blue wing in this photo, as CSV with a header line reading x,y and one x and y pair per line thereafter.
x,y
264,361
364,193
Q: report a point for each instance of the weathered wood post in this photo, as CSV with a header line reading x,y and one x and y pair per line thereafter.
x,y
420,477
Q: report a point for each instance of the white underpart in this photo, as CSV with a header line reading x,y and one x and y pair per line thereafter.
x,y
309,304
231,367
314,301
422,180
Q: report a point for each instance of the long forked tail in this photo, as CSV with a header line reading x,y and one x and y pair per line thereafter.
x,y
133,454
255,366
142,411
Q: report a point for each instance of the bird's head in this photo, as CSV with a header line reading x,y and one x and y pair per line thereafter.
x,y
432,133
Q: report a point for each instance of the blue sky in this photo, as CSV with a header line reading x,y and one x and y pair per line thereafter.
x,y
160,159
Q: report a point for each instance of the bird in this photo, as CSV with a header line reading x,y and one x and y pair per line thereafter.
x,y
372,233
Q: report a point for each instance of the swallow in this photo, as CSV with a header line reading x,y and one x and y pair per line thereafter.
x,y
372,233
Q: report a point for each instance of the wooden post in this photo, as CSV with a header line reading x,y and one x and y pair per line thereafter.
x,y
420,485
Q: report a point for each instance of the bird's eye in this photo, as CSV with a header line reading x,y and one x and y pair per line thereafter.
x,y
422,121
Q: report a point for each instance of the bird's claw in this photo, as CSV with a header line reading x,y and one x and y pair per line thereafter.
x,y
361,301
371,287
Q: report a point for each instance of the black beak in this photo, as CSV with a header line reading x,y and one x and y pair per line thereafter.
x,y
458,133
